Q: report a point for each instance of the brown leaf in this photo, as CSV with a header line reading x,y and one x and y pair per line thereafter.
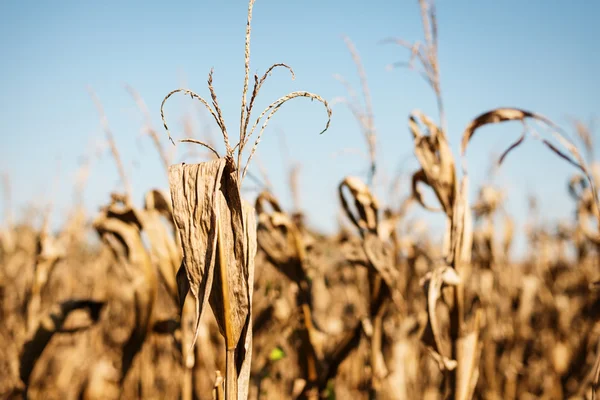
x,y
381,256
436,159
421,177
163,248
513,114
119,227
366,206
232,237
462,228
218,235
245,352
493,117
433,283
468,356
279,237
193,193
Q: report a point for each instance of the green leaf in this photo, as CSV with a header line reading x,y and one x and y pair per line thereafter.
x,y
330,390
276,354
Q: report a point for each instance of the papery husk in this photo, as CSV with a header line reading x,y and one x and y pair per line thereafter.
x,y
217,230
193,193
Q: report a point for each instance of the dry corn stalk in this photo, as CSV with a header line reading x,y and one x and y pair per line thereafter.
x,y
437,168
217,237
119,227
444,334
591,205
280,238
383,275
217,229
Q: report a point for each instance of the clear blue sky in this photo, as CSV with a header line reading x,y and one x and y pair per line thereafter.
x,y
539,55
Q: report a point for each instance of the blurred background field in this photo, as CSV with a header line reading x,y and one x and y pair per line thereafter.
x,y
85,191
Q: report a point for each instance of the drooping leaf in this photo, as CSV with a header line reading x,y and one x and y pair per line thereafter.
x,y
194,193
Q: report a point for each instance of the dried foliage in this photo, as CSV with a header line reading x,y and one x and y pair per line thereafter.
x,y
197,294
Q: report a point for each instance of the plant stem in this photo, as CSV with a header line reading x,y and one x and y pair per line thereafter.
x,y
230,369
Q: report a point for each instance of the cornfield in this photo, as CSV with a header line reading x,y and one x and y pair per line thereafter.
x,y
200,293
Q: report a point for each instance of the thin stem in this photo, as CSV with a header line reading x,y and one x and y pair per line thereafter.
x,y
230,371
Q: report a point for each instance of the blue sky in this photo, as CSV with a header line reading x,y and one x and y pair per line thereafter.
x,y
537,55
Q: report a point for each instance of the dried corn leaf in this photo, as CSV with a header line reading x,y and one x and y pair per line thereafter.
x,y
462,228
379,253
365,204
421,177
232,238
279,238
468,356
246,349
493,117
436,159
513,114
388,224
51,323
49,252
119,226
433,283
163,248
193,193
218,236
577,186
381,256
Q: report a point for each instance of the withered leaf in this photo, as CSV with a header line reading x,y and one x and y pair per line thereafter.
x,y
218,236
245,352
513,114
420,177
493,117
433,283
119,226
468,356
279,238
381,256
436,159
365,204
232,238
163,248
462,227
193,194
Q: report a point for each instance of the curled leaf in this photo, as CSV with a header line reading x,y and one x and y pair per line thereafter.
x,y
280,239
433,283
366,206
421,177
436,159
